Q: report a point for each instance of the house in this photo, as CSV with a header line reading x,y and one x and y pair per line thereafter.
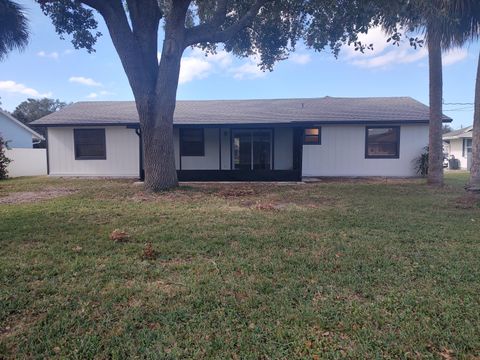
x,y
459,146
280,139
17,134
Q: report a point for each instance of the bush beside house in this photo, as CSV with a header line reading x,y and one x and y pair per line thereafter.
x,y
4,161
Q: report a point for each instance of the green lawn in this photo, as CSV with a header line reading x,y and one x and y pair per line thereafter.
x,y
379,269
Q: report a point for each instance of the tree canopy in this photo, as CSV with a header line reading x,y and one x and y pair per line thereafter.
x,y
33,109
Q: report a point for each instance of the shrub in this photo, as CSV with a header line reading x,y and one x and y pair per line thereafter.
x,y
4,161
421,163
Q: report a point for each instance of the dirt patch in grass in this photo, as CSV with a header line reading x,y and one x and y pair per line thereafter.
x,y
364,180
180,195
467,201
34,196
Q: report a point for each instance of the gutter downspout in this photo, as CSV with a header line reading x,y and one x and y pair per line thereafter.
x,y
140,151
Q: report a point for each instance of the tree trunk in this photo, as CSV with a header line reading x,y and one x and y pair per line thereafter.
x,y
475,169
156,119
435,153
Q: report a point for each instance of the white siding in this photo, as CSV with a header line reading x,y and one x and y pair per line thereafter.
x,y
456,149
226,148
210,160
283,149
342,153
122,154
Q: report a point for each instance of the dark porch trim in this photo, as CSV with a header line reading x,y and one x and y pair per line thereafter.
x,y
239,175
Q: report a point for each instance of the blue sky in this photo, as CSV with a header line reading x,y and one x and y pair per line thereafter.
x,y
52,67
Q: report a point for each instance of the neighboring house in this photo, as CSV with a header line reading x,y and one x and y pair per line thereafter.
x,y
17,134
284,139
460,146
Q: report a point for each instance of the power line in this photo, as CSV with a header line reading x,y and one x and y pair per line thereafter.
x,y
459,103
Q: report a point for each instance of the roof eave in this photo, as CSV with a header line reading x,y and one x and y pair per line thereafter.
x,y
242,124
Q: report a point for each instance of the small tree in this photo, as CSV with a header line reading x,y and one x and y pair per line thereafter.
x,y
4,161
421,163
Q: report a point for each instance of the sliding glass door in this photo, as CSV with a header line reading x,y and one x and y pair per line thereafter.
x,y
252,149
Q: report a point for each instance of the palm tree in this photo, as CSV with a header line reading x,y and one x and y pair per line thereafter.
x,y
460,23
466,20
452,23
13,27
474,184
446,24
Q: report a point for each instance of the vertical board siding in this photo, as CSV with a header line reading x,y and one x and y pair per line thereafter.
x,y
342,153
122,154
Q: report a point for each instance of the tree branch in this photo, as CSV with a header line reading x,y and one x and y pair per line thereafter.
x,y
127,45
220,13
211,32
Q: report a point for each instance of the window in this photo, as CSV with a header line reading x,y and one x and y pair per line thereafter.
x,y
89,144
312,136
192,142
382,142
467,147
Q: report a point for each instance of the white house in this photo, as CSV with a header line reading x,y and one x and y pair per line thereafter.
x,y
280,139
17,134
459,145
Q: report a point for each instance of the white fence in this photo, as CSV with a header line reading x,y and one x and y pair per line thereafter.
x,y
26,162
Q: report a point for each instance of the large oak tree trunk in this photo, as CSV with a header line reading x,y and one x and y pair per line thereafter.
x,y
475,169
435,153
157,122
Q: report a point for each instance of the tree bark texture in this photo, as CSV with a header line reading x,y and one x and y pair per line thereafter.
x,y
475,169
435,146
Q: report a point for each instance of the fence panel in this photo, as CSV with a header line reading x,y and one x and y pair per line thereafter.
x,y
27,162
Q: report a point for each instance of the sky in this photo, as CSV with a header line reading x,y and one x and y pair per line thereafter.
x,y
51,67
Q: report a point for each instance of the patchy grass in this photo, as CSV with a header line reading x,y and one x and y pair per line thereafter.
x,y
329,270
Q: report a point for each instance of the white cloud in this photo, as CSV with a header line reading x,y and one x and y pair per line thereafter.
x,y
392,57
249,70
94,95
14,87
84,81
454,56
300,59
384,54
52,55
198,66
193,68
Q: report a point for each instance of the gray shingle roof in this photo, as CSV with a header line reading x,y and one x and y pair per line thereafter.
x,y
459,134
282,111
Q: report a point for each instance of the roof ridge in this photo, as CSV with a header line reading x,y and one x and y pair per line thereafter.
x,y
256,99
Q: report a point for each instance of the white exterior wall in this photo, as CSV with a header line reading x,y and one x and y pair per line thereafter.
x,y
226,149
283,149
210,160
26,162
122,154
342,153
456,149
